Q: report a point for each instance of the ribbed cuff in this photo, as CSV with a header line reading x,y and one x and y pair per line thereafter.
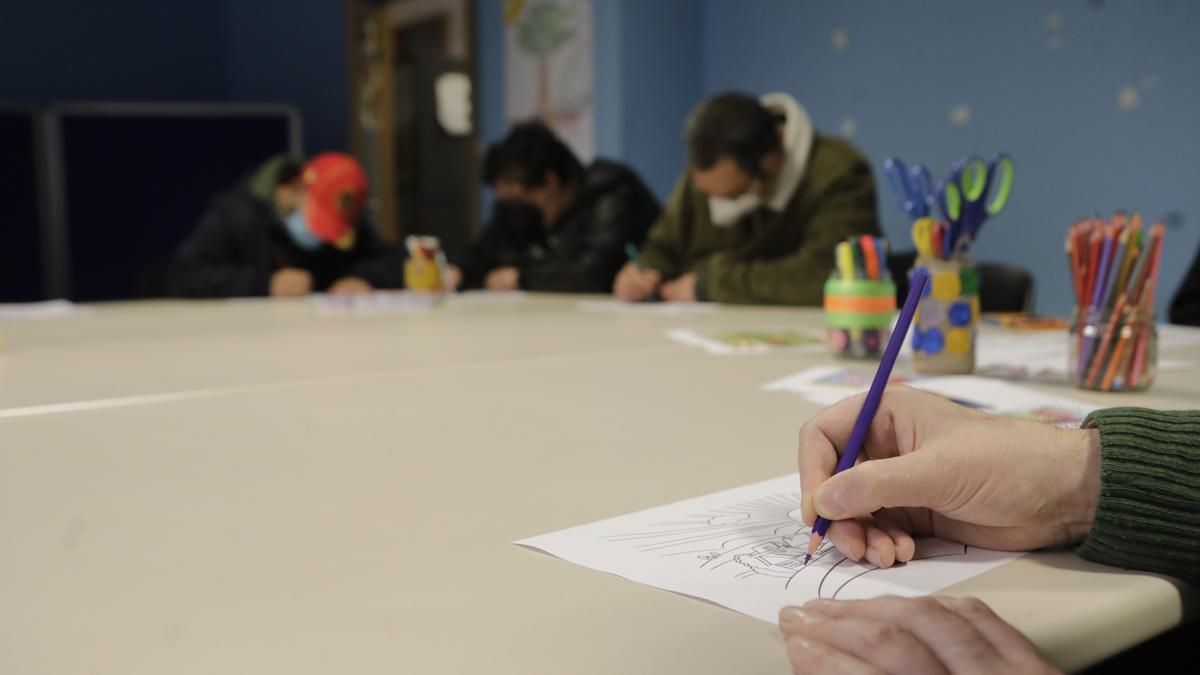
x,y
1148,516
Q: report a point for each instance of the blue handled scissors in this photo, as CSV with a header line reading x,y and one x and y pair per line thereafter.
x,y
912,187
974,191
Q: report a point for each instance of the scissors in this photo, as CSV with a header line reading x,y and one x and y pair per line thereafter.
x,y
912,187
974,192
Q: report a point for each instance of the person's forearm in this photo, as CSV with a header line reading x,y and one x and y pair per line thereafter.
x,y
1148,514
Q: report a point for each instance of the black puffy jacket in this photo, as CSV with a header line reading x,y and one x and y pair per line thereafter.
x,y
582,251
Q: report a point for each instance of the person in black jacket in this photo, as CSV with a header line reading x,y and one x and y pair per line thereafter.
x,y
556,226
291,229
1185,307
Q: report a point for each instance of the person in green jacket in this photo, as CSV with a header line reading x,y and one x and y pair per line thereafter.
x,y
1124,490
758,212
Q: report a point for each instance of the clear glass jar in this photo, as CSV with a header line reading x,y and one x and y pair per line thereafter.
x,y
858,316
1110,353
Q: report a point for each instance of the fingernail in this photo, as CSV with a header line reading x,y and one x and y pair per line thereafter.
x,y
830,502
873,557
791,615
798,642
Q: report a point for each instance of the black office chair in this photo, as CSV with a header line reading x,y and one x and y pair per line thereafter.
x,y
899,264
1002,288
1005,288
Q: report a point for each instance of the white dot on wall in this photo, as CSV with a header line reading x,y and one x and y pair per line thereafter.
x,y
1128,98
960,115
1054,21
1150,81
841,39
848,127
1054,44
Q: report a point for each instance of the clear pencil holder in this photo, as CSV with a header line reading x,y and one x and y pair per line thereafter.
x,y
1113,353
947,319
858,316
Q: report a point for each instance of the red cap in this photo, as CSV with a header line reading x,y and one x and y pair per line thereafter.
x,y
335,191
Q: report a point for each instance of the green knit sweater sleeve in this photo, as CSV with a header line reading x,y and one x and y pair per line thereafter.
x,y
1148,516
835,201
663,249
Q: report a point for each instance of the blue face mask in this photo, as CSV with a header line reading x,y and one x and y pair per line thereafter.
x,y
301,235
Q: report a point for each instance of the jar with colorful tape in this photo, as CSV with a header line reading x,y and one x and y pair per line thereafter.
x,y
947,320
858,316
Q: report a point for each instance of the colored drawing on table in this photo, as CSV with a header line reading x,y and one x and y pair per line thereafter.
x,y
723,342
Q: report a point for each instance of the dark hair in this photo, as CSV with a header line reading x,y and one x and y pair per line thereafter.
x,y
733,125
289,171
525,155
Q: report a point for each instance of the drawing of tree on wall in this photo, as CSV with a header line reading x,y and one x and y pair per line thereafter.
x,y
548,67
545,29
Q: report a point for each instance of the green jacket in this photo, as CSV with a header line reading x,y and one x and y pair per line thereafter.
x,y
1148,517
769,258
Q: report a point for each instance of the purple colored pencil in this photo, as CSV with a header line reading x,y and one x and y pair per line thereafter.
x,y
916,287
1102,273
1085,354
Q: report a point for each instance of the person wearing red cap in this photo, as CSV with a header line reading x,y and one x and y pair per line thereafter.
x,y
292,229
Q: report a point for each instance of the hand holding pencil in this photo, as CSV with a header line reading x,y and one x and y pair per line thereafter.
x,y
931,467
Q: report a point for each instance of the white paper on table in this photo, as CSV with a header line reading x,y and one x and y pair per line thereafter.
x,y
1046,353
376,302
826,385
49,309
1009,400
744,549
479,297
1171,336
659,308
713,343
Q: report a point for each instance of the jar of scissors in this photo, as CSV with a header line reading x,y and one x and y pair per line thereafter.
x,y
945,328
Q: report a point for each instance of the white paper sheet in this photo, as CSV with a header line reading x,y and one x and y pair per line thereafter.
x,y
486,297
659,308
50,309
377,302
729,343
826,385
1046,353
744,549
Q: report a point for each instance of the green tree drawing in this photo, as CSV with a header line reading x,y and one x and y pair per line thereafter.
x,y
545,29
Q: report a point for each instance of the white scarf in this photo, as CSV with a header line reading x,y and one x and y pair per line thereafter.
x,y
797,141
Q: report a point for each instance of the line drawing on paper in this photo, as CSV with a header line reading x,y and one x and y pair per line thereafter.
x,y
764,538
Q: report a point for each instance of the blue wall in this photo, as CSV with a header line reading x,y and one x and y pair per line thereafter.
x,y
122,49
662,78
292,51
182,50
1042,80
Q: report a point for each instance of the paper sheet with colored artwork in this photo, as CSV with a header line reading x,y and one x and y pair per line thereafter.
x,y
731,342
649,308
376,302
744,549
827,385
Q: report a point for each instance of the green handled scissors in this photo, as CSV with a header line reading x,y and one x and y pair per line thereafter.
x,y
974,192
